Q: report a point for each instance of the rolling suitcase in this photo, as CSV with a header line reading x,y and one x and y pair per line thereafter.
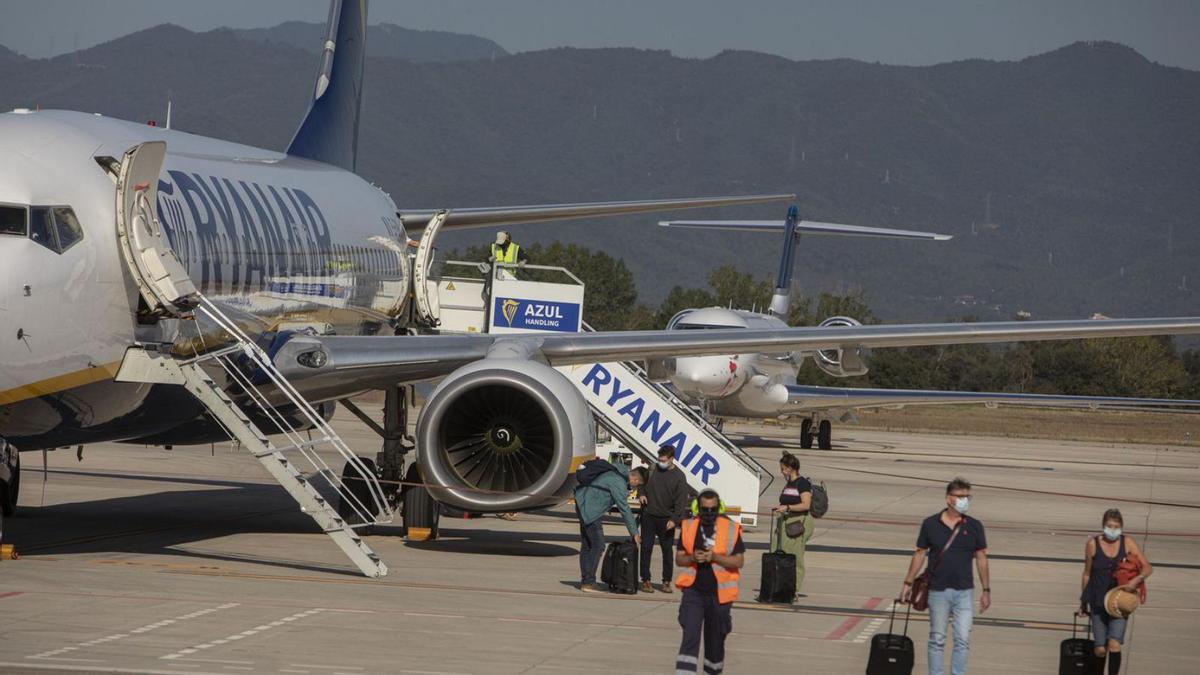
x,y
620,567
778,574
1075,653
892,654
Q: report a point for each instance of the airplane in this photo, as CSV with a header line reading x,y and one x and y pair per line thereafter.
x,y
764,385
118,238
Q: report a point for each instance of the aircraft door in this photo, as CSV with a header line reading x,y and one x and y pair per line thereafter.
x,y
161,278
426,297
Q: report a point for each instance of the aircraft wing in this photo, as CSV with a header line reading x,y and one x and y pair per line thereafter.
x,y
804,227
357,363
802,398
416,219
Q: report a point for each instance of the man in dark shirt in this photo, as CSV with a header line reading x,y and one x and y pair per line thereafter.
x,y
664,498
952,541
710,555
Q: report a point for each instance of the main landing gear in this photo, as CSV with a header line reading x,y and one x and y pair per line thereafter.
x,y
823,435
419,512
10,486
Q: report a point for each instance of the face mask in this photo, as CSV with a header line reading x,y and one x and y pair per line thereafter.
x,y
708,517
664,465
961,504
1112,533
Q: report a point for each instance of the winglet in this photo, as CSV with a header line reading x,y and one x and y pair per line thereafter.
x,y
329,132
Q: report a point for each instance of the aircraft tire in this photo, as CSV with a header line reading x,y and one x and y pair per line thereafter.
x,y
420,513
825,435
10,492
357,487
806,436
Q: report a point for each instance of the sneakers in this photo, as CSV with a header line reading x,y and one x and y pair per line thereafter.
x,y
647,587
591,588
666,587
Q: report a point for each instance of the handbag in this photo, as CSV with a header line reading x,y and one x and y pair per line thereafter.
x,y
919,596
794,528
1126,570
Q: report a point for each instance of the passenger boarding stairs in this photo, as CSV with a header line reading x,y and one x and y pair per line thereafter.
x,y
298,463
637,411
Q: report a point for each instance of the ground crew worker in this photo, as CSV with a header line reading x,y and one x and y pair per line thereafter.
x,y
507,252
709,556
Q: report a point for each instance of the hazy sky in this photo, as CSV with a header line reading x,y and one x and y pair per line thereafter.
x,y
911,32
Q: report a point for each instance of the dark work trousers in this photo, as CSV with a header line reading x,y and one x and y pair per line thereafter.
x,y
654,527
700,613
591,548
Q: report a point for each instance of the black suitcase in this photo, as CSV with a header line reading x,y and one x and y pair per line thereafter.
x,y
1075,653
620,567
892,654
778,578
778,582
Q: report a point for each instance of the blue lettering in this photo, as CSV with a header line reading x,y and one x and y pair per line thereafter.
x,y
708,465
691,453
652,421
216,197
617,393
206,228
597,377
634,410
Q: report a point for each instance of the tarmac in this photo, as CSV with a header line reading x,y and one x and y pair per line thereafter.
x,y
190,561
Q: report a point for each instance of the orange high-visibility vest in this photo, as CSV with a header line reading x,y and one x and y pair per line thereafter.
x,y
727,531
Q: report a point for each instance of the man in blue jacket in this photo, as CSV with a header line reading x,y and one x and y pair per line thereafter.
x,y
606,490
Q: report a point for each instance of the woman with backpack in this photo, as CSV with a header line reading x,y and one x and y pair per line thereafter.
x,y
1111,561
794,526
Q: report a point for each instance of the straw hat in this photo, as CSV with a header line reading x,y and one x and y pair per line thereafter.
x,y
1120,603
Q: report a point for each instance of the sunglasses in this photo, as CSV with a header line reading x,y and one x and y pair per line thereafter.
x,y
709,509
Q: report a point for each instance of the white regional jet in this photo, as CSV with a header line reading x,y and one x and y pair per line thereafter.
x,y
114,235
763,384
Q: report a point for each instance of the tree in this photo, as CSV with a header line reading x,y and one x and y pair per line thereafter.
x,y
739,290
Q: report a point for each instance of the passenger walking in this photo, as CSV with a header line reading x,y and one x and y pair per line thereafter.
x,y
664,500
603,486
795,526
710,555
1105,558
952,540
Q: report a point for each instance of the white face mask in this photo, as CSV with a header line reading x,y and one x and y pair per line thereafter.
x,y
961,504
1112,533
664,465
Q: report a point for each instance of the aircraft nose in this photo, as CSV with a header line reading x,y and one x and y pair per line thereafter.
x,y
704,376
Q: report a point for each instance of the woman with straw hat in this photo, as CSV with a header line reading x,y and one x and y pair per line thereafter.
x,y
1110,600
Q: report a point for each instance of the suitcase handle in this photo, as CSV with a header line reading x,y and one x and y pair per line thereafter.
x,y
907,614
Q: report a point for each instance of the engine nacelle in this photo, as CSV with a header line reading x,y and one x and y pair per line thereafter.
x,y
839,362
501,434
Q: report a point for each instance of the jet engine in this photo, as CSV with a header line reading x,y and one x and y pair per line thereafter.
x,y
500,434
840,362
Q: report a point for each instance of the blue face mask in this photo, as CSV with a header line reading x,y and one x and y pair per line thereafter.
x,y
1112,533
961,504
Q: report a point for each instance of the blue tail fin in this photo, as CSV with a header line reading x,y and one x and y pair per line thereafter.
x,y
329,132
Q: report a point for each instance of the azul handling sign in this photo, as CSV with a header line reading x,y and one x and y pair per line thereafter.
x,y
535,314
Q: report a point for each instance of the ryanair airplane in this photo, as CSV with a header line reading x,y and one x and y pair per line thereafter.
x,y
112,232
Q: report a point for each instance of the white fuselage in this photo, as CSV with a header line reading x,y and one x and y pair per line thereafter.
x,y
752,385
286,241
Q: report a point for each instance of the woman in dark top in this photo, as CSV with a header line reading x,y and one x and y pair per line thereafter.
x,y
1101,556
793,507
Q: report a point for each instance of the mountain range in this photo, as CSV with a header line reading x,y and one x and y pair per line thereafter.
x,y
1068,178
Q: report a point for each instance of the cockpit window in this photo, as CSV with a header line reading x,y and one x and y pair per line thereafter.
x,y
12,220
54,227
67,226
41,229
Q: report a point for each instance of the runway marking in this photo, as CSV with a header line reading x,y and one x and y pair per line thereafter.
x,y
846,626
55,653
435,616
242,635
10,594
873,626
528,621
313,665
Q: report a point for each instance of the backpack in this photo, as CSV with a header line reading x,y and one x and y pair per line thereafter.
x,y
820,500
591,469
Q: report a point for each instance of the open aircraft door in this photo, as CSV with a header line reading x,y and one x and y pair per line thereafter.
x,y
160,276
425,294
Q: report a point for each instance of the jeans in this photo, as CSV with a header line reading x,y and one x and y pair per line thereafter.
x,y
702,618
1105,628
942,604
591,548
654,527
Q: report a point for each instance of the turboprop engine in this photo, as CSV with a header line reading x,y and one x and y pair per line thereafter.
x,y
501,434
840,362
